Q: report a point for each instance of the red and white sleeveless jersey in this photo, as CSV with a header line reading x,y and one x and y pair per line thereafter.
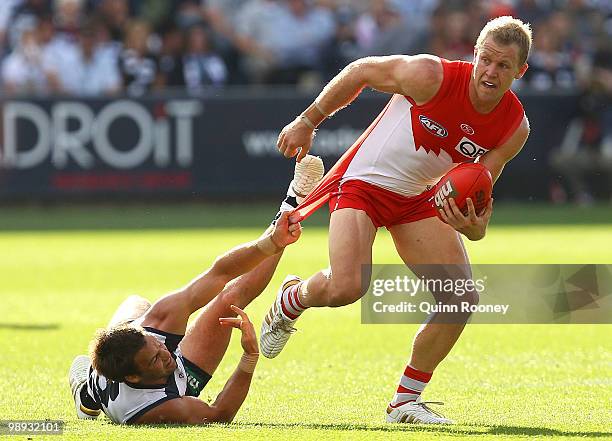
x,y
410,147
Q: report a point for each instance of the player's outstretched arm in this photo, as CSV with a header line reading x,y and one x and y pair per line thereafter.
x,y
171,312
189,410
418,76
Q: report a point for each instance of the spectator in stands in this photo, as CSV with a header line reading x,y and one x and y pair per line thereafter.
x,y
281,53
285,41
225,8
549,66
586,150
6,13
256,38
104,43
189,13
532,11
155,12
169,59
602,79
83,69
453,40
343,47
116,16
136,64
24,15
68,18
54,51
383,30
219,18
22,70
201,65
417,13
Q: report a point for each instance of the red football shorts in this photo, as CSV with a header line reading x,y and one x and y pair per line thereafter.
x,y
385,208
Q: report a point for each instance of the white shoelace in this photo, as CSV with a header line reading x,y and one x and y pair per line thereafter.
x,y
423,405
279,322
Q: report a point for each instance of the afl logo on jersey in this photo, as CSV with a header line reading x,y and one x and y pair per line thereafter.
x,y
433,127
467,129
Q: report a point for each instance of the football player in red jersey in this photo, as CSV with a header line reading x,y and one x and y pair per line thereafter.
x,y
441,113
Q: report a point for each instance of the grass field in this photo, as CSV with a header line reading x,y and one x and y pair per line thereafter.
x,y
64,270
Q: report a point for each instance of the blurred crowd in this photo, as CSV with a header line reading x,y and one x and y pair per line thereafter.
x,y
96,48
105,47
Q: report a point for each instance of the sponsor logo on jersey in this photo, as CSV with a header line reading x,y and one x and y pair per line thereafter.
x,y
470,149
467,129
433,127
445,191
193,382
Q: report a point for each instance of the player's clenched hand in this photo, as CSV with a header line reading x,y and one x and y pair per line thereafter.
x,y
242,322
472,226
295,136
285,232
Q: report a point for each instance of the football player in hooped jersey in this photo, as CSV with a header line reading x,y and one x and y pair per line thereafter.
x,y
441,113
148,366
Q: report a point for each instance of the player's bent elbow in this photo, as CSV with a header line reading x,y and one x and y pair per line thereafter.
x,y
220,273
208,415
221,416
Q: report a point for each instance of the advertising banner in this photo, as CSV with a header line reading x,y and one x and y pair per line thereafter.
x,y
213,147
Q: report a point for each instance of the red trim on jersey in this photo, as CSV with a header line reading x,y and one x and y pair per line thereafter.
x,y
415,374
322,192
444,116
451,108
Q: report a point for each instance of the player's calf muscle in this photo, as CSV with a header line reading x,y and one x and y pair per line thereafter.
x,y
336,290
345,294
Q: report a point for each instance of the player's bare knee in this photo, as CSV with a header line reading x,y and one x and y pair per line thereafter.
x,y
229,298
345,291
471,297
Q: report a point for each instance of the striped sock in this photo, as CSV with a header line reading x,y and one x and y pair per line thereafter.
x,y
290,203
290,303
411,386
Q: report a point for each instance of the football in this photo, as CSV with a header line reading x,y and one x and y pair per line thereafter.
x,y
469,180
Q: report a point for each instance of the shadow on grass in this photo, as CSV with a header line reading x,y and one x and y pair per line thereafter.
x,y
450,430
30,326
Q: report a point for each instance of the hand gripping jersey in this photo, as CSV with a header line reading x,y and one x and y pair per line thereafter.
x,y
408,147
123,403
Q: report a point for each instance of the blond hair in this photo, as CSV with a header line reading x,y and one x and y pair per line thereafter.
x,y
507,30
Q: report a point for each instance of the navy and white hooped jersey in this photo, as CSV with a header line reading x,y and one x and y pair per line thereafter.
x,y
123,403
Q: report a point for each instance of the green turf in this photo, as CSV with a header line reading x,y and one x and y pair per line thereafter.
x,y
336,375
206,215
